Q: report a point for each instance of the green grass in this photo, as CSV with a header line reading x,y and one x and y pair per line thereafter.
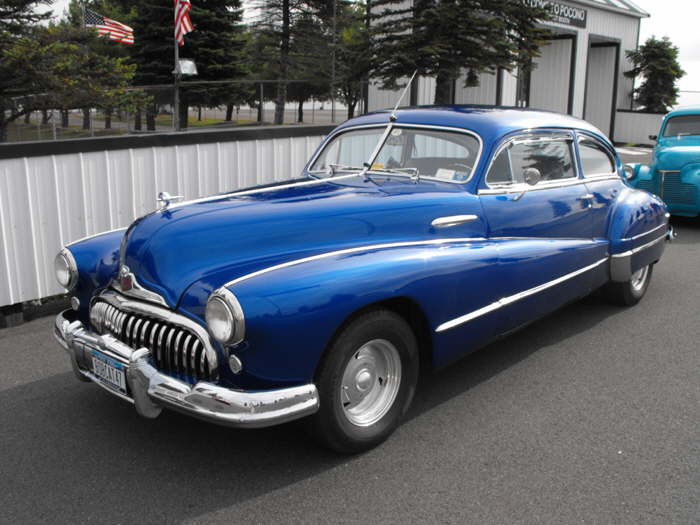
x,y
21,132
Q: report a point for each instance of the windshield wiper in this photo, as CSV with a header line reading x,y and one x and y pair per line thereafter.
x,y
415,175
333,169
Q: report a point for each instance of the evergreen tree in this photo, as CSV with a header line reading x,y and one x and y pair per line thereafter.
x,y
54,67
309,61
17,17
215,45
656,61
441,38
353,58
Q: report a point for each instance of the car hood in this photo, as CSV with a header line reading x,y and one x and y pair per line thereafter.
x,y
213,241
674,153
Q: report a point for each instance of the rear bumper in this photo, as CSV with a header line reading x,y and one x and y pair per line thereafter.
x,y
150,391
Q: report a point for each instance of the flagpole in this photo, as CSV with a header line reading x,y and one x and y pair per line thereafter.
x,y
176,72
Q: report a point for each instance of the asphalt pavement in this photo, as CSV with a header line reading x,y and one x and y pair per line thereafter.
x,y
591,415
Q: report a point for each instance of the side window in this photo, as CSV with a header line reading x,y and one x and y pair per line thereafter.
x,y
552,158
595,160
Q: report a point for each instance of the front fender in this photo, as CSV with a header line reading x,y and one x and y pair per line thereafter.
x,y
638,226
97,259
292,313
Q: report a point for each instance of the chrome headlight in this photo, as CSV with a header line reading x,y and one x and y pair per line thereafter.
x,y
224,317
66,269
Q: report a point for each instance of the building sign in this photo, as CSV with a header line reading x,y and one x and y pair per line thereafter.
x,y
562,13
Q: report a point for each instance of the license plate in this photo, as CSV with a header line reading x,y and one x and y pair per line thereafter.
x,y
109,371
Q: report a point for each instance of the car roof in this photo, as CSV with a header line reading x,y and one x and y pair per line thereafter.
x,y
490,122
687,110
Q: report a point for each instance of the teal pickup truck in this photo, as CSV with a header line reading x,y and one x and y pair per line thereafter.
x,y
674,174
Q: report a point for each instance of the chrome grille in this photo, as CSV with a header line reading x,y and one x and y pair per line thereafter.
x,y
647,184
678,192
174,349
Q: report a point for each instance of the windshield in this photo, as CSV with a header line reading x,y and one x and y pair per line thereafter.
x,y
445,155
683,125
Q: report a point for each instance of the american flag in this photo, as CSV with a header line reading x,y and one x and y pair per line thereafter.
x,y
110,28
183,24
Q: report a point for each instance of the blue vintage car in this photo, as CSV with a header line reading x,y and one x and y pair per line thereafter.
x,y
674,174
412,239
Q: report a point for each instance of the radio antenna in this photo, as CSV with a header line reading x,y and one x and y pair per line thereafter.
x,y
393,113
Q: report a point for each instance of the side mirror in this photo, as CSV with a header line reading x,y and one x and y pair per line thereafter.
x,y
653,137
532,176
628,171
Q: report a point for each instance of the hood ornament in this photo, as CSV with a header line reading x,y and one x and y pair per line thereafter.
x,y
165,199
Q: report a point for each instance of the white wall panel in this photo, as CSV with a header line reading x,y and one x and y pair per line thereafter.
x,y
47,202
549,87
635,128
510,86
484,93
600,85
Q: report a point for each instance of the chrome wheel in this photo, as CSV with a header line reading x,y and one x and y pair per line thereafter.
x,y
639,279
371,381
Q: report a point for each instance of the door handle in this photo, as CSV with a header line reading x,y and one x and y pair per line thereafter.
x,y
588,197
452,220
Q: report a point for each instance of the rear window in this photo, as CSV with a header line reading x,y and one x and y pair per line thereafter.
x,y
682,125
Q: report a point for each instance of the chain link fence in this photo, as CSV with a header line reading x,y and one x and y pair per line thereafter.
x,y
212,104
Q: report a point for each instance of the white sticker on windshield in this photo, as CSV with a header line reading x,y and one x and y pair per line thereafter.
x,y
444,174
395,132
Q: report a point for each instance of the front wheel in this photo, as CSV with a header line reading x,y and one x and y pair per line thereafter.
x,y
630,292
366,382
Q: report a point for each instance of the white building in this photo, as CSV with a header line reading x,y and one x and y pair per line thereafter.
x,y
580,71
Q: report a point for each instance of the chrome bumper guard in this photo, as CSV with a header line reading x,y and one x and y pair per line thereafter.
x,y
621,264
150,391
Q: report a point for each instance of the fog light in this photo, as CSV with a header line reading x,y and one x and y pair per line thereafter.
x,y
235,364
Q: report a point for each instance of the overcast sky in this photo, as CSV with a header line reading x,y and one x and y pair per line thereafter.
x,y
677,19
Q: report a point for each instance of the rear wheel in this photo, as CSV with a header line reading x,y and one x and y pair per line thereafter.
x,y
630,292
366,382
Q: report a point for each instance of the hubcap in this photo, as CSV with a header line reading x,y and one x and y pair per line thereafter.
x,y
638,278
371,381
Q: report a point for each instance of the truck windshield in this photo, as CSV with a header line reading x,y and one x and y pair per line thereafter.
x,y
444,155
682,125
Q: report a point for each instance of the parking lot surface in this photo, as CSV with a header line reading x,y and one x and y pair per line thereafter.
x,y
591,415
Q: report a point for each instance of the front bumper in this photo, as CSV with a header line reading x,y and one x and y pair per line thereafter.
x,y
150,391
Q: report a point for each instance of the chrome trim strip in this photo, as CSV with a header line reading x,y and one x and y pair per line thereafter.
x,y
514,298
564,134
601,178
522,187
639,248
212,198
645,233
351,250
452,220
392,125
94,235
